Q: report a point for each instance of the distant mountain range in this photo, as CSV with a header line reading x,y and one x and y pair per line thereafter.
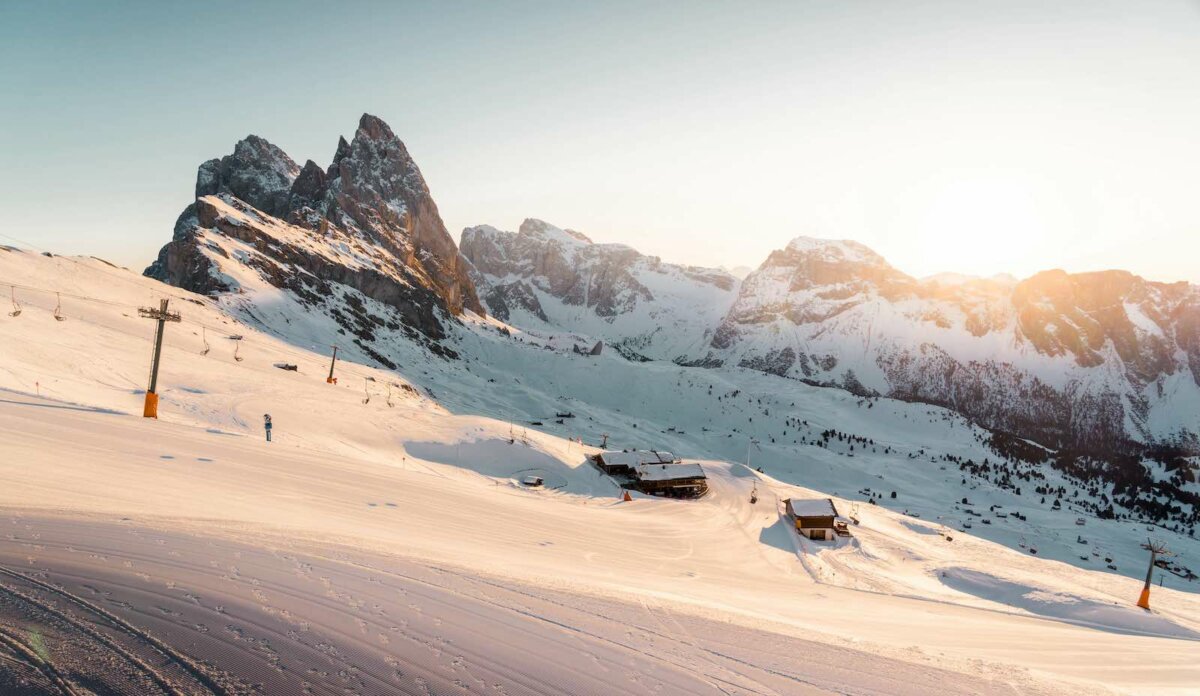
x,y
1101,362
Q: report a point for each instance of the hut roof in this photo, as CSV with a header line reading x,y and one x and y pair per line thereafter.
x,y
812,507
669,472
633,458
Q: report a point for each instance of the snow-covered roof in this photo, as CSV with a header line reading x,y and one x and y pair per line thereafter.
x,y
812,507
668,472
632,458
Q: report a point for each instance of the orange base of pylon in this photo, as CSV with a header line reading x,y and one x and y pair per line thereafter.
x,y
1144,600
331,380
627,498
151,408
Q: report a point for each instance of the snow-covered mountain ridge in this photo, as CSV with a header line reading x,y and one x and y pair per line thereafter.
x,y
1088,361
545,277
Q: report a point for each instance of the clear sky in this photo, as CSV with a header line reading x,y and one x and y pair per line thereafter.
x,y
977,137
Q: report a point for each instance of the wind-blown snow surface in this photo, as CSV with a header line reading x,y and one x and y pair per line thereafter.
x,y
383,542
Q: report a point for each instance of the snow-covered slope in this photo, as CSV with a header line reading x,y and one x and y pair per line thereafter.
x,y
544,277
418,463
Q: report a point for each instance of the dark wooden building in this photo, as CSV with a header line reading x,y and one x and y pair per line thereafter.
x,y
816,518
671,480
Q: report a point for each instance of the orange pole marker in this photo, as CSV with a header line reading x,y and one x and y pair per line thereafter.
x,y
151,408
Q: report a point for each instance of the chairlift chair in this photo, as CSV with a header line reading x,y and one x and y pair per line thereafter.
x,y
58,309
204,337
16,310
237,344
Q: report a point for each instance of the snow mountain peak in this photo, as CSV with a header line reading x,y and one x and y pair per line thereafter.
x,y
845,250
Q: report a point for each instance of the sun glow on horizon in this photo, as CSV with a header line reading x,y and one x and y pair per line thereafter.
x,y
983,224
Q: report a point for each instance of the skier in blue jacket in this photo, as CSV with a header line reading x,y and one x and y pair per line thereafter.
x,y
267,425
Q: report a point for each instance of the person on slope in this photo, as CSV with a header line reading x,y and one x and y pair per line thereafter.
x,y
267,425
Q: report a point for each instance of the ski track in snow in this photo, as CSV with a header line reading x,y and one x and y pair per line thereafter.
x,y
287,621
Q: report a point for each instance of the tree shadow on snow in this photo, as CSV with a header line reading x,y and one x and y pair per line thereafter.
x,y
65,407
1105,616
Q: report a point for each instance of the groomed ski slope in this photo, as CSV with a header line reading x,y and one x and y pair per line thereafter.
x,y
412,486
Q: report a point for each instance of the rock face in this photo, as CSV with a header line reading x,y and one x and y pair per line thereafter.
x,y
366,223
554,278
1091,361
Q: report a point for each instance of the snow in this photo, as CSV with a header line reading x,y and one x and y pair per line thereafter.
x,y
632,458
669,472
842,249
383,537
813,507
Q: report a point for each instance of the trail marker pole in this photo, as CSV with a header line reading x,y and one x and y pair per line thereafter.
x,y
331,379
162,316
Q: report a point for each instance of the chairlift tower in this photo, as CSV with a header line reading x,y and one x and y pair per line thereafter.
x,y
1156,549
333,361
162,316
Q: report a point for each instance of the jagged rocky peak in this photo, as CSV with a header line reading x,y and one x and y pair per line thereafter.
x,y
257,172
375,183
309,187
367,222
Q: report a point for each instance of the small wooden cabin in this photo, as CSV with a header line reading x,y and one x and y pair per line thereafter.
x,y
623,462
671,480
816,518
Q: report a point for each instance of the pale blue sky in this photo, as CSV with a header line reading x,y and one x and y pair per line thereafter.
x,y
970,136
